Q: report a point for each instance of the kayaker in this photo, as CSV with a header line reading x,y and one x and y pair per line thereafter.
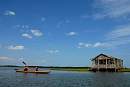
x,y
37,68
26,68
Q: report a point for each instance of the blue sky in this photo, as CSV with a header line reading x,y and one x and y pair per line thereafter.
x,y
63,32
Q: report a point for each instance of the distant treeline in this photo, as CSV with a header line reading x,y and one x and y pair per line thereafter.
x,y
58,67
46,66
8,66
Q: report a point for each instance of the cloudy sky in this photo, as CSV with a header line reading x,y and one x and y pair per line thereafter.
x,y
63,32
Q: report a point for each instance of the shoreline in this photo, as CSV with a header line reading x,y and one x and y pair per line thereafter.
x,y
76,69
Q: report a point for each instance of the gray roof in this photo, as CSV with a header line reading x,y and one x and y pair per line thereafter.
x,y
105,56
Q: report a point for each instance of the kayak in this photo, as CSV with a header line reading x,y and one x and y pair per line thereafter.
x,y
37,72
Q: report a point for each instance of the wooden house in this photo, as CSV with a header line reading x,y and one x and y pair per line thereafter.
x,y
103,62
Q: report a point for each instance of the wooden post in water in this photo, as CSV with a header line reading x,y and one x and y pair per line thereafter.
x,y
115,64
106,63
98,64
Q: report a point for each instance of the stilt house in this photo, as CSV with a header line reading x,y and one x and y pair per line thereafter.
x,y
103,62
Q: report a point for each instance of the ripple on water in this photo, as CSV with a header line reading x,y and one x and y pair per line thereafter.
x,y
9,78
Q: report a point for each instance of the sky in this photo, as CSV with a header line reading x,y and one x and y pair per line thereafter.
x,y
63,32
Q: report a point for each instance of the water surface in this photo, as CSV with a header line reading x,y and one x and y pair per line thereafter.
x,y
9,78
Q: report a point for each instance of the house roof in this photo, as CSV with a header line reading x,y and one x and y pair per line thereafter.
x,y
105,56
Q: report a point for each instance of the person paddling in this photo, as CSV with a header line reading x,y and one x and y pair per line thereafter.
x,y
37,68
26,67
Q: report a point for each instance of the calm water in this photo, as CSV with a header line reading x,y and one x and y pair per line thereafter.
x,y
9,78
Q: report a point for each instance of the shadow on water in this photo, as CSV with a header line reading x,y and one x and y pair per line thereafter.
x,y
9,78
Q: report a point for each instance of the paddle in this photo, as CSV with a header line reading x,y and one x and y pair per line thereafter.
x,y
24,63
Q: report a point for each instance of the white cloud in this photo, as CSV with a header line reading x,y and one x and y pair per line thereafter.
x,y
99,44
27,36
118,42
37,33
9,13
84,45
53,51
22,26
25,26
4,58
81,44
95,45
120,32
119,36
87,45
28,31
112,8
17,47
71,33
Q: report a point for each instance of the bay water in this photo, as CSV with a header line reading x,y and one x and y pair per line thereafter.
x,y
10,78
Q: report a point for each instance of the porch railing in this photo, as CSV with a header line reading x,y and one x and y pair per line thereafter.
x,y
104,66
